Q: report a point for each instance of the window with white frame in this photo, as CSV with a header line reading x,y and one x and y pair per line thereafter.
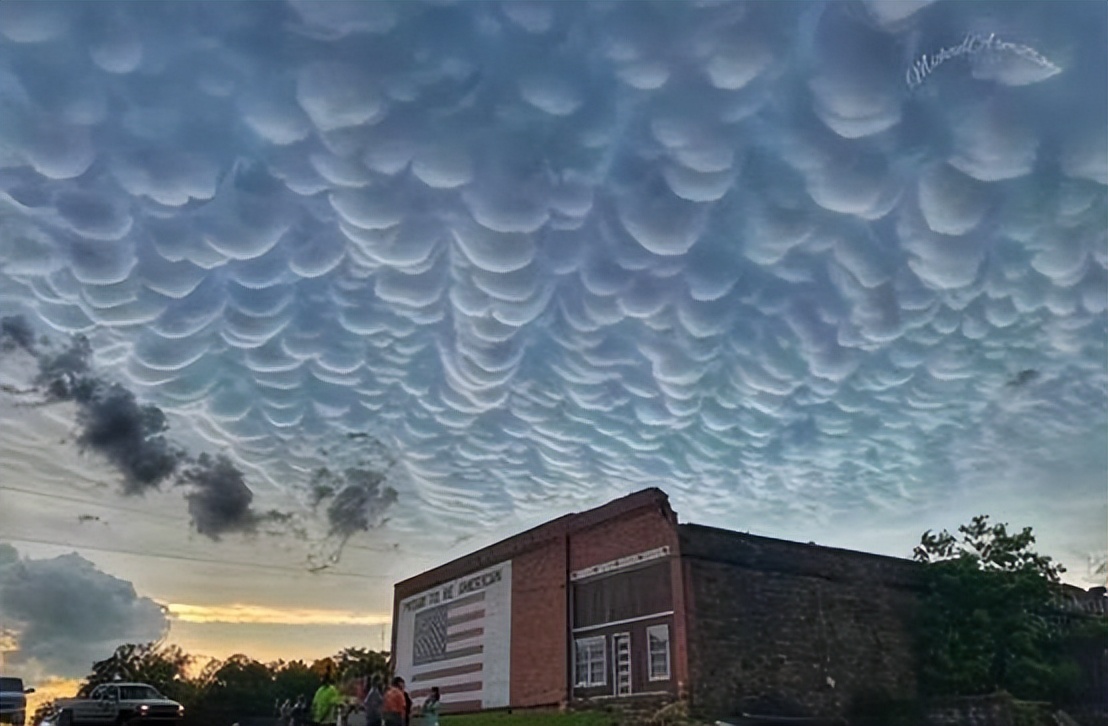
x,y
657,637
590,662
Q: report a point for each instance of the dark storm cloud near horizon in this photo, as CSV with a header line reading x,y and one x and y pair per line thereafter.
x,y
551,252
67,614
131,437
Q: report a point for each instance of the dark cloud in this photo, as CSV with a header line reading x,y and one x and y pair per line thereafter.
x,y
131,436
110,420
128,435
67,614
357,499
360,504
357,496
1023,377
321,488
219,500
65,375
16,332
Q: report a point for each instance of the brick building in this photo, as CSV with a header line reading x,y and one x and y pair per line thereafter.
x,y
622,601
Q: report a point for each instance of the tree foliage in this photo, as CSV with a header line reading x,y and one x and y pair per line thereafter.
x,y
224,692
351,663
990,619
164,667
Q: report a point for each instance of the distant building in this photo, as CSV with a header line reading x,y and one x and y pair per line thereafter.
x,y
622,602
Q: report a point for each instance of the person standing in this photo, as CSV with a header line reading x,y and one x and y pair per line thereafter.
x,y
395,707
374,702
431,706
284,713
300,711
325,704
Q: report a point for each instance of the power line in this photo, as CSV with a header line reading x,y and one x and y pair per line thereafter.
x,y
188,558
89,502
156,515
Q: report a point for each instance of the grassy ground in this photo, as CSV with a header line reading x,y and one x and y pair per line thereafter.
x,y
527,718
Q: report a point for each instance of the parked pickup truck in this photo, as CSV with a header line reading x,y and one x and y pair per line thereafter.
x,y
13,701
119,704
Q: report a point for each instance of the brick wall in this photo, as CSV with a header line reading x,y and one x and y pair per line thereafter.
x,y
783,628
536,537
629,534
542,558
653,525
539,644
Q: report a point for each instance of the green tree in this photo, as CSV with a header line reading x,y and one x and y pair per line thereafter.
x,y
228,691
353,663
990,619
240,686
164,667
293,679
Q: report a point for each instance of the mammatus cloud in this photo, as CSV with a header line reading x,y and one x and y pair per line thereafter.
x,y
548,251
67,614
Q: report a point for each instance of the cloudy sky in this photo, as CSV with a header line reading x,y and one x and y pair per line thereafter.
x,y
302,298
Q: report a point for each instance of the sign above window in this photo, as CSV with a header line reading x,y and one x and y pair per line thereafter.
x,y
621,563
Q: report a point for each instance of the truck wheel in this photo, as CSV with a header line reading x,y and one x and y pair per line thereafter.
x,y
65,718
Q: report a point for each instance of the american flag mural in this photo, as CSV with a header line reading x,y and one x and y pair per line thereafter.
x,y
457,636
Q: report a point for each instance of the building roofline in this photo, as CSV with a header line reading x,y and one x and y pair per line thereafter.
x,y
691,526
530,538
771,554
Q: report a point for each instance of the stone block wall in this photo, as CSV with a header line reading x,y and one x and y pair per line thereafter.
x,y
783,628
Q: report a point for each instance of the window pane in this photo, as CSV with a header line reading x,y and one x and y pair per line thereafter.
x,y
589,662
658,652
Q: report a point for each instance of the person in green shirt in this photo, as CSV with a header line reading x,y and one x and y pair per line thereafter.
x,y
325,704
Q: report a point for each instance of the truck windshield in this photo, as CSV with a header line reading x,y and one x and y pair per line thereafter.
x,y
137,693
11,684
